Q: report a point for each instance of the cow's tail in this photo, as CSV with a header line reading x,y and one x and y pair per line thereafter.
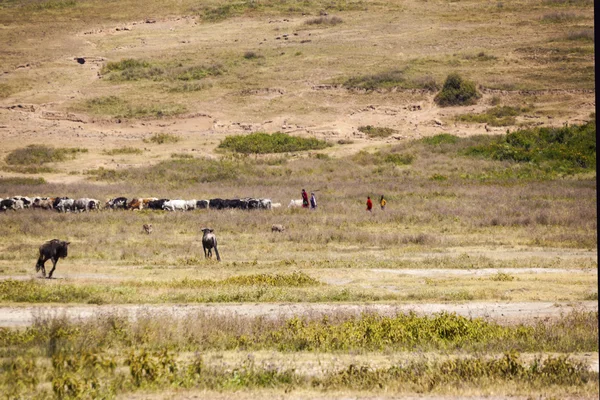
x,y
38,265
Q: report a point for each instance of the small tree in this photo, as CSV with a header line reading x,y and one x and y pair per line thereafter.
x,y
457,92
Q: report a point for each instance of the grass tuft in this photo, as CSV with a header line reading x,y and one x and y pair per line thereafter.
x,y
263,143
457,92
41,154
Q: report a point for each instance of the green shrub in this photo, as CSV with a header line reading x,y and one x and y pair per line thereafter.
x,y
457,92
568,149
496,116
373,131
199,72
262,143
390,79
119,108
123,150
442,138
40,154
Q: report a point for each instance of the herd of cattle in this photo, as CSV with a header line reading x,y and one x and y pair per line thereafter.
x,y
66,204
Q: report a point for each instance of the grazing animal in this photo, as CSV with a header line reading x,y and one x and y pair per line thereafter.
x,y
85,204
7,204
157,204
202,203
264,204
116,203
175,205
295,203
217,204
25,200
148,228
277,228
275,205
135,204
44,203
51,250
209,240
190,205
65,204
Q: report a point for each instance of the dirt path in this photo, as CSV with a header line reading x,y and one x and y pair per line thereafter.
x,y
20,316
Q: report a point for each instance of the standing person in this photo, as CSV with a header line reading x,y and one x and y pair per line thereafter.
x,y
369,204
313,201
304,199
382,203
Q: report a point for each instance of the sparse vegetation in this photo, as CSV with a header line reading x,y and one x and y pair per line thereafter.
x,y
457,92
390,79
123,151
162,138
21,181
40,154
116,107
324,21
376,132
262,143
496,116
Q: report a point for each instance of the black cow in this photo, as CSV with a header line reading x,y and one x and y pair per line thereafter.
x,y
216,204
202,203
157,204
209,240
51,250
57,200
116,203
7,204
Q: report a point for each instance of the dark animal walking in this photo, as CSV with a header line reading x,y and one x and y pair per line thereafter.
x,y
51,250
209,240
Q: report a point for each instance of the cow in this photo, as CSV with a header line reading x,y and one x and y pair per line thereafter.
x,y
147,228
295,203
209,240
135,204
190,205
275,205
65,205
57,200
175,205
264,204
116,203
202,203
216,204
277,228
147,201
51,250
157,204
45,203
7,204
25,200
85,204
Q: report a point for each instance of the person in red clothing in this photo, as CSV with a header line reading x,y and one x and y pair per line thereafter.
x,y
304,199
369,204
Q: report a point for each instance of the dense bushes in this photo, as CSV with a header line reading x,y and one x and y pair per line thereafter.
x,y
263,143
568,149
457,92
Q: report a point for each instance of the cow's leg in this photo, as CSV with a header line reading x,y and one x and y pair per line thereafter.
x,y
54,261
205,253
217,252
210,252
40,265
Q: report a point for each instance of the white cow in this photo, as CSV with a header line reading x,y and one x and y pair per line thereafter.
x,y
190,204
295,203
174,205
65,205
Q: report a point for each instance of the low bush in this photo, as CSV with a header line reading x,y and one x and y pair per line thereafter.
x,y
496,116
119,108
263,143
40,154
568,149
374,131
390,79
442,138
457,92
123,150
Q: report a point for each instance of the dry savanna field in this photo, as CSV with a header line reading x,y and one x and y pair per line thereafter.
x,y
475,119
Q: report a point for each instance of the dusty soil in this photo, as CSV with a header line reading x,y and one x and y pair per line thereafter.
x,y
514,312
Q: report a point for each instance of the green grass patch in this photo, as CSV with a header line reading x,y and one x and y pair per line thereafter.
x,y
376,132
496,116
162,138
457,92
51,5
134,70
40,154
119,108
264,143
565,150
295,279
22,181
123,151
380,158
29,169
442,138
390,79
